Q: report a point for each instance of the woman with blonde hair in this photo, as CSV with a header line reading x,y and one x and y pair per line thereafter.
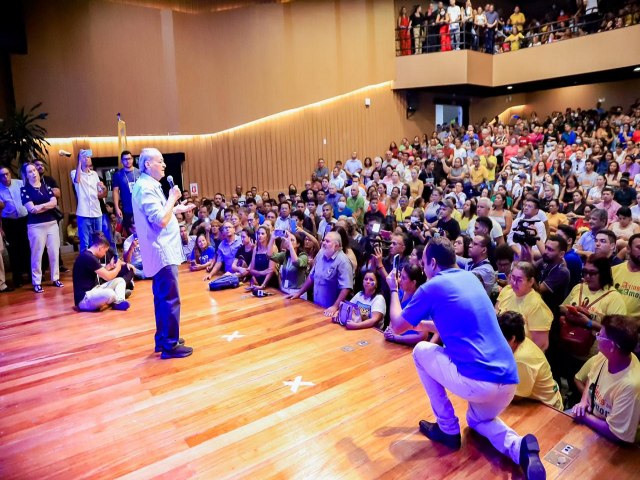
x,y
42,225
262,267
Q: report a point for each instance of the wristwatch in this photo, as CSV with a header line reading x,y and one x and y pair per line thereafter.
x,y
589,324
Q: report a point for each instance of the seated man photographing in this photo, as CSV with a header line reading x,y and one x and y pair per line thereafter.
x,y
88,295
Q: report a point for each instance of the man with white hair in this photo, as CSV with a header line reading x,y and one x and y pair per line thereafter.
x,y
161,250
331,276
483,210
389,160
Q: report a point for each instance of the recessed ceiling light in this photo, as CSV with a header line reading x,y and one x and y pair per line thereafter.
x,y
637,69
510,87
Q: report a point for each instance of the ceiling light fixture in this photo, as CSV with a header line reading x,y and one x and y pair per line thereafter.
x,y
510,87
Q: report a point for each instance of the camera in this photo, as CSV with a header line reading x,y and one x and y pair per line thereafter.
x,y
522,234
416,225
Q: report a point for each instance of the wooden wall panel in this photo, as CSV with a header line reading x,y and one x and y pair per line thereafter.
x,y
173,72
273,152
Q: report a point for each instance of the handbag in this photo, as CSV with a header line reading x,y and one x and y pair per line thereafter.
x,y
58,215
577,339
224,282
348,312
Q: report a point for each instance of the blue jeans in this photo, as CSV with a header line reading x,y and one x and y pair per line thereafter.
x,y
166,300
86,227
106,229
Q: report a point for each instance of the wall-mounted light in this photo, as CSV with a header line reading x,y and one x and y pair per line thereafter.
x,y
637,69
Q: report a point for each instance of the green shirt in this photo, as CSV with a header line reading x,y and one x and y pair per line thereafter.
x,y
354,204
292,274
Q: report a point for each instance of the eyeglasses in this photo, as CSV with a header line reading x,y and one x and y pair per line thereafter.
x,y
586,273
600,337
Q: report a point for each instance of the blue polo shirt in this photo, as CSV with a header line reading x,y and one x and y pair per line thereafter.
x,y
467,323
587,241
227,252
330,276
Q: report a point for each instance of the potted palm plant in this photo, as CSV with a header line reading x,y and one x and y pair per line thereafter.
x,y
22,138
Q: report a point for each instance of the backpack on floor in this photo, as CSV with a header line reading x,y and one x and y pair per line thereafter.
x,y
224,282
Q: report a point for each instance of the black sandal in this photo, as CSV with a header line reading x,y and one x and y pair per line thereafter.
x,y
38,289
58,284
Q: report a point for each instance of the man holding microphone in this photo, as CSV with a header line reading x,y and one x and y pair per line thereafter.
x,y
161,250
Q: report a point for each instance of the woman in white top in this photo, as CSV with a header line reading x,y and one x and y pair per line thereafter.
x,y
396,182
480,23
595,192
371,305
501,213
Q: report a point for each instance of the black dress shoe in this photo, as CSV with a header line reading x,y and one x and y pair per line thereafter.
x,y
63,269
530,459
159,348
7,290
179,351
432,432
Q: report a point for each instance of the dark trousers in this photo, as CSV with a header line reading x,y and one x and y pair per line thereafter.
x,y
127,220
18,247
489,40
166,300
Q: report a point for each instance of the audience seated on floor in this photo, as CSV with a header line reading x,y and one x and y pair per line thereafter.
x,y
543,209
535,379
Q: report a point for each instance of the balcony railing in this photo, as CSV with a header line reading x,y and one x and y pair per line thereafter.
x,y
440,37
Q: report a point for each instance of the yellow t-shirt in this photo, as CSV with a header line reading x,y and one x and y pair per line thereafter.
x,y
477,176
464,222
557,219
536,380
490,171
400,215
72,231
617,396
612,304
514,40
537,316
517,18
628,285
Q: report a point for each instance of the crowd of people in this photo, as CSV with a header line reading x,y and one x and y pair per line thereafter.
x,y
543,213
458,25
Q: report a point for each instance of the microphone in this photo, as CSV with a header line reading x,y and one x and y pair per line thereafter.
x,y
64,153
170,181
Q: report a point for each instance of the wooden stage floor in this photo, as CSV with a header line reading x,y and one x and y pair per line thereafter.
x,y
84,396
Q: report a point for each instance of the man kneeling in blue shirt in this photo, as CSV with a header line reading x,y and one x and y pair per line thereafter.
x,y
476,362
